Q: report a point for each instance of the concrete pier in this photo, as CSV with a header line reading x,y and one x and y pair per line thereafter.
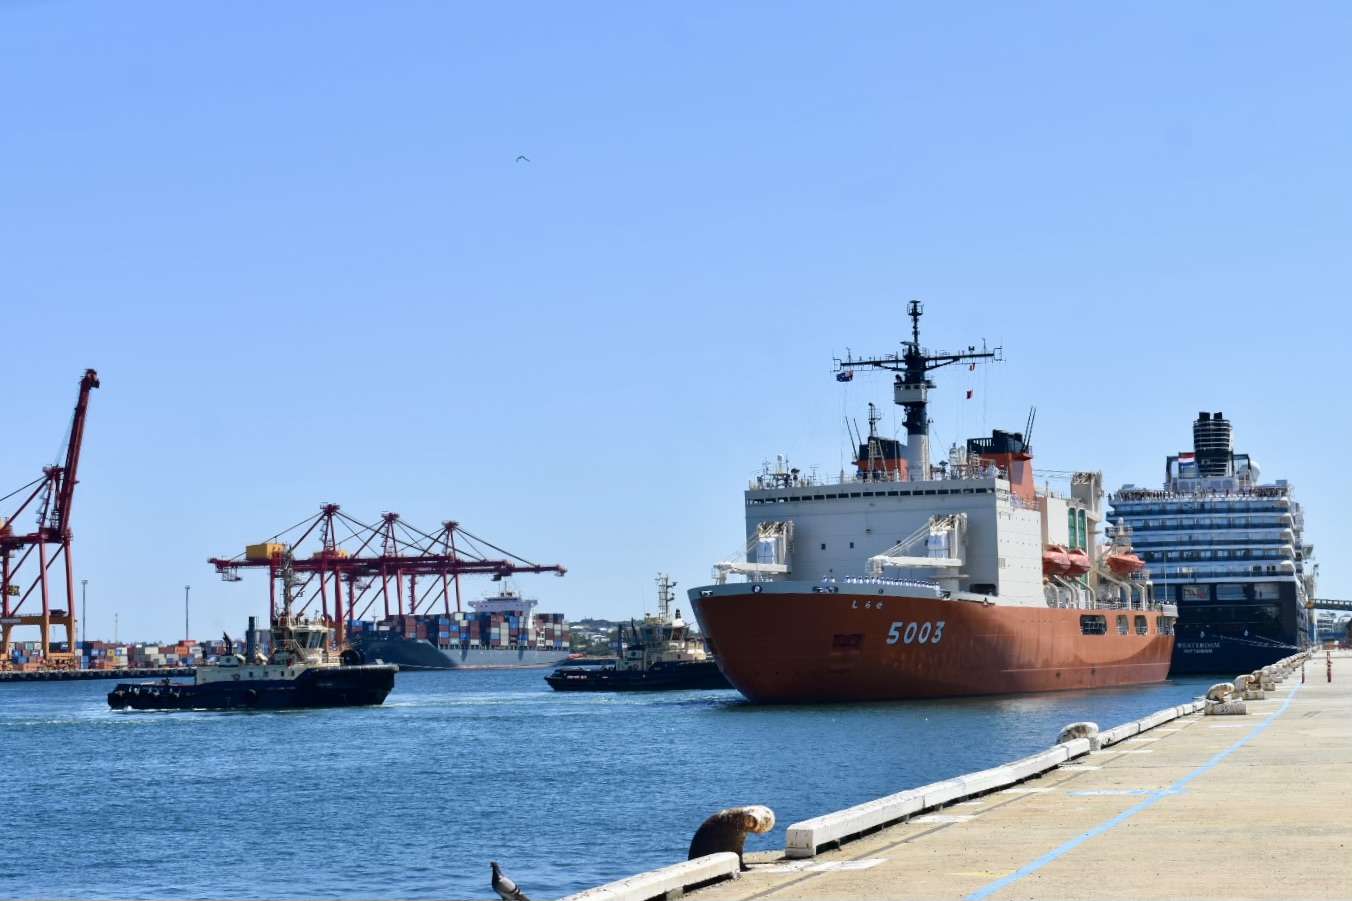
x,y
74,675
1252,806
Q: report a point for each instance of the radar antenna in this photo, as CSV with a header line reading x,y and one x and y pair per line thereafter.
x,y
911,384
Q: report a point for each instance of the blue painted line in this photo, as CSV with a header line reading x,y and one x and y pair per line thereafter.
x,y
1030,868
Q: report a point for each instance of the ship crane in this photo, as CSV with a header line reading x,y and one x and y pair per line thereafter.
x,y
50,498
911,384
772,540
373,562
944,537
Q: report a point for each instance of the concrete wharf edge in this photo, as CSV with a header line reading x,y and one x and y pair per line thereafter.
x,y
76,675
1250,806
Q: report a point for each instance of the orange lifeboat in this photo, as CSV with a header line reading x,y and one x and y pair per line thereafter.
x,y
1055,560
1124,563
1079,562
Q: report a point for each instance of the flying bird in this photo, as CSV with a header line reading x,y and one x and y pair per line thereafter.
x,y
522,159
502,883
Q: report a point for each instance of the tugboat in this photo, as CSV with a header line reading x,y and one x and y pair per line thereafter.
x,y
661,655
300,670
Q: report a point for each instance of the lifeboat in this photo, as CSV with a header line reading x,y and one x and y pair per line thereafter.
x,y
1055,560
1124,563
1079,562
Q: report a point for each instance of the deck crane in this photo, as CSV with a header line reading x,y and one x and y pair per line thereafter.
x,y
374,562
50,498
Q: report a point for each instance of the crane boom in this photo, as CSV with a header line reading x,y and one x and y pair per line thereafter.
x,y
380,557
66,493
51,500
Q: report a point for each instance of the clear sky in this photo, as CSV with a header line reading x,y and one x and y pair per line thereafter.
x,y
294,240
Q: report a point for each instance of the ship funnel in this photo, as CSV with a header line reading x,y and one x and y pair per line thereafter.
x,y
1213,444
251,640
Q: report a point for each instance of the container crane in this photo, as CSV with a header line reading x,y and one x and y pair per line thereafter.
x,y
50,498
347,575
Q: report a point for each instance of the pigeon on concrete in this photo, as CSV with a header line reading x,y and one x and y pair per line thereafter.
x,y
502,884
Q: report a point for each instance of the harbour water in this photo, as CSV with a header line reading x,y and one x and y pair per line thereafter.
x,y
412,799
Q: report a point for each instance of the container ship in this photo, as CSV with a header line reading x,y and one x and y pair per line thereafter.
x,y
1228,549
906,579
498,632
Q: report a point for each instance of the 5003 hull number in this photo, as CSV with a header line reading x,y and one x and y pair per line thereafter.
x,y
915,632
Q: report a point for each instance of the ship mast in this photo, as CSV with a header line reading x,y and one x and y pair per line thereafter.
x,y
910,387
665,595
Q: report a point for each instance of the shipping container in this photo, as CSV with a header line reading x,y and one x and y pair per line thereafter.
x,y
263,552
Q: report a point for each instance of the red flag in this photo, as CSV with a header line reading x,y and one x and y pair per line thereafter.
x,y
969,393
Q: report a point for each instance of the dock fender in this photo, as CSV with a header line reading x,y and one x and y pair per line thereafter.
x,y
251,697
727,830
352,657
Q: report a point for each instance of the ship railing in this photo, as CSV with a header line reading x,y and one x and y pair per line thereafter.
x,y
882,580
1129,495
964,472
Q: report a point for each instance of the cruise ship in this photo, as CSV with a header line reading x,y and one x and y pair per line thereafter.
x,y
912,579
1228,549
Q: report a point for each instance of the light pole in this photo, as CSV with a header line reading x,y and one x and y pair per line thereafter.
x,y
84,609
186,589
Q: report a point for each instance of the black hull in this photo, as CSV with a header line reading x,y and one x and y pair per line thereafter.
x,y
420,654
677,677
1196,653
1227,637
346,686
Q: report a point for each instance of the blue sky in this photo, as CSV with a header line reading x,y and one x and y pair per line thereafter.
x,y
294,241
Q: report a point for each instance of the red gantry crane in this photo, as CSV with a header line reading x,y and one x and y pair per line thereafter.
x,y
50,499
344,576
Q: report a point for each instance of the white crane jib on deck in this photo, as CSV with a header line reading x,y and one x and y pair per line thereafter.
x,y
911,385
941,542
766,554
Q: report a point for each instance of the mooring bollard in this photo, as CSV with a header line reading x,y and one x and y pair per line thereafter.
x,y
1081,730
727,830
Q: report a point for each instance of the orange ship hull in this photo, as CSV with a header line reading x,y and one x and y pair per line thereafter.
x,y
853,646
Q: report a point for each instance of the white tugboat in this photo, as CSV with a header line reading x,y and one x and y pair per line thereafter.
x,y
300,670
662,653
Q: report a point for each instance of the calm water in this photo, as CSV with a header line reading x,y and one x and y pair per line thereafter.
x,y
414,798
